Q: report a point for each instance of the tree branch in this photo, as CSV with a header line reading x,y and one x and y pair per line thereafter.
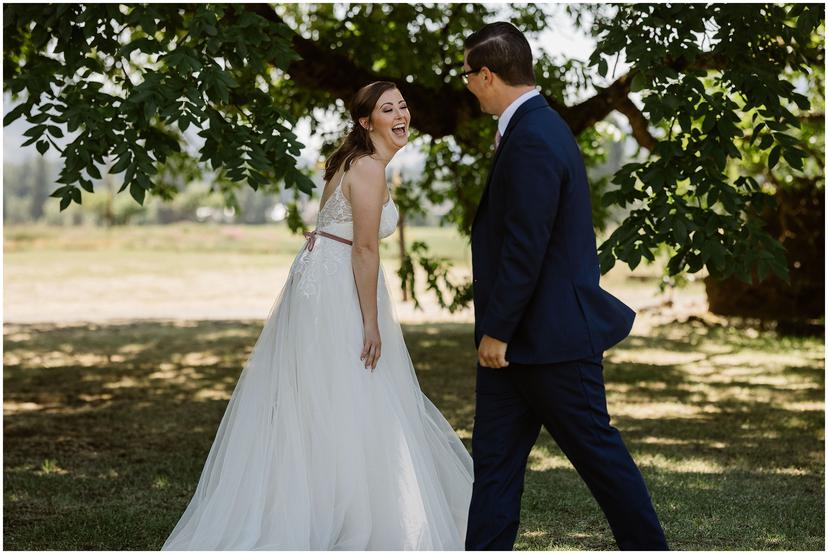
x,y
592,110
445,110
640,125
440,112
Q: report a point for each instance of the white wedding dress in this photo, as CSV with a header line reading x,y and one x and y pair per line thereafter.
x,y
315,452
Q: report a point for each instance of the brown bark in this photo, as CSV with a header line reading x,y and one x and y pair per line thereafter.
x,y
799,224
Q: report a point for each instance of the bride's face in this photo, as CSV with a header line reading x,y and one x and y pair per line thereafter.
x,y
390,120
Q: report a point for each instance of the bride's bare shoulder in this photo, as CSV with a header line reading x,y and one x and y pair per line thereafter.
x,y
366,166
365,174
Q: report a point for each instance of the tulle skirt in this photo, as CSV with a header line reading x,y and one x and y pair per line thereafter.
x,y
315,452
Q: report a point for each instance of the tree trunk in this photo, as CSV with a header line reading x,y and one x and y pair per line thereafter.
x,y
799,224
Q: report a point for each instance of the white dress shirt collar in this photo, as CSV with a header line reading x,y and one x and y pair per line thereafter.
x,y
503,120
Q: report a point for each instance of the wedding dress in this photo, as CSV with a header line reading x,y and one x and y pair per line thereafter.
x,y
316,452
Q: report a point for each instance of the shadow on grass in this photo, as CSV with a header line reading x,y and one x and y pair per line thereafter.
x,y
106,429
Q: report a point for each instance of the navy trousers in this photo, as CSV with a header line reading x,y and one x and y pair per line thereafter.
x,y
569,400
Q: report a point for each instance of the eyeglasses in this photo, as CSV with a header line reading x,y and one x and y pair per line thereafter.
x,y
465,74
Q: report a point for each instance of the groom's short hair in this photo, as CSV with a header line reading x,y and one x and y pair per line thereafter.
x,y
504,50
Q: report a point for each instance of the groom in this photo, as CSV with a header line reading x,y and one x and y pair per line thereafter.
x,y
542,322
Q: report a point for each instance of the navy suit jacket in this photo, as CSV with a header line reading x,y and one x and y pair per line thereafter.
x,y
534,261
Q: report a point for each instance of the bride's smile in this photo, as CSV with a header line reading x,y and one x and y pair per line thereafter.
x,y
389,123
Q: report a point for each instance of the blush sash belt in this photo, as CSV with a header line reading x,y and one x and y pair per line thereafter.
x,y
311,236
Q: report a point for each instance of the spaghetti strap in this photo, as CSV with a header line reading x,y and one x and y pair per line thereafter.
x,y
339,186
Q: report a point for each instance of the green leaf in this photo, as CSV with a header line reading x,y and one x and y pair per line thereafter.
x,y
15,113
780,269
607,261
801,100
676,263
794,158
149,109
708,123
39,118
42,146
634,259
31,141
685,122
679,231
58,192
139,95
694,263
602,67
93,171
717,251
773,157
803,24
86,185
35,131
76,194
756,131
639,82
122,163
130,173
137,192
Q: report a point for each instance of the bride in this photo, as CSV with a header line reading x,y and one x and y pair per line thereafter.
x,y
327,442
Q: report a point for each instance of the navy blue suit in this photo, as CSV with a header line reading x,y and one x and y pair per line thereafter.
x,y
536,287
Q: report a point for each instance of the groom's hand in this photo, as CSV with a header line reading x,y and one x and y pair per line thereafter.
x,y
492,352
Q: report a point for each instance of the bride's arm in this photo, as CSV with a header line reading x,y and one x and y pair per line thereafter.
x,y
367,183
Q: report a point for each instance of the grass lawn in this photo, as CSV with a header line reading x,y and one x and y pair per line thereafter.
x,y
215,272
272,239
107,425
181,271
106,428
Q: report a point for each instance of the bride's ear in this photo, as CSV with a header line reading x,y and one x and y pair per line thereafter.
x,y
364,121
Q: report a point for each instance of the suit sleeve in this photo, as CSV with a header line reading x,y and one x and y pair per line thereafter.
x,y
529,215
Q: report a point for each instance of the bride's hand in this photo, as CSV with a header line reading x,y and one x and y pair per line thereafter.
x,y
372,346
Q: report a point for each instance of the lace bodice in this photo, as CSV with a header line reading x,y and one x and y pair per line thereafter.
x,y
330,257
337,211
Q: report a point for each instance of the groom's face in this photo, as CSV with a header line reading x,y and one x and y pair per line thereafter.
x,y
476,85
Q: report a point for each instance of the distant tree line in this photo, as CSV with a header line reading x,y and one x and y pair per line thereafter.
x,y
27,185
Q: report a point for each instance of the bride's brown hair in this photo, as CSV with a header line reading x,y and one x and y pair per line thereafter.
x,y
357,143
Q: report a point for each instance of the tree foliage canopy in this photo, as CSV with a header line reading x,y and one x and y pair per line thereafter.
x,y
722,85
130,81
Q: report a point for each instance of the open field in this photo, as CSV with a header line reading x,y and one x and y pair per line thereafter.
x,y
121,349
220,272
